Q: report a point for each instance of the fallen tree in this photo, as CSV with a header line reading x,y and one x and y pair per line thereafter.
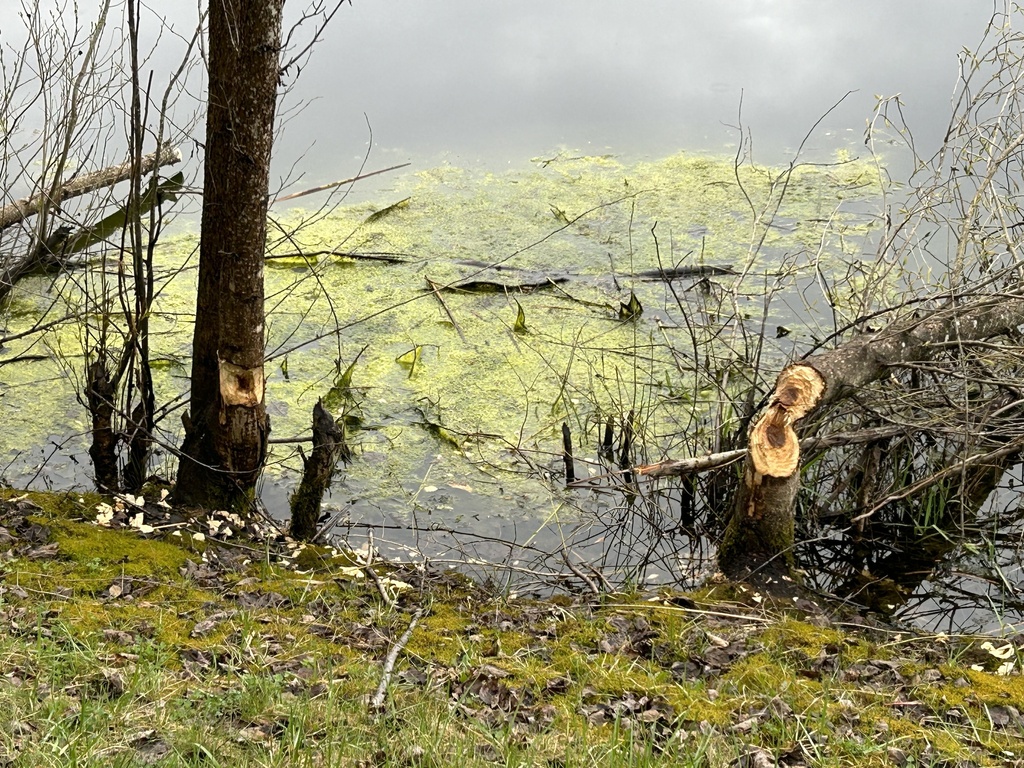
x,y
53,249
19,210
759,535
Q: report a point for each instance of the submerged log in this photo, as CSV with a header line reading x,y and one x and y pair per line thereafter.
x,y
758,540
328,447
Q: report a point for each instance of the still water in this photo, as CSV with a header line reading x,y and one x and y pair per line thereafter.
x,y
464,90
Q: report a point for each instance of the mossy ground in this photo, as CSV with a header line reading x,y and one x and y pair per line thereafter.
x,y
118,649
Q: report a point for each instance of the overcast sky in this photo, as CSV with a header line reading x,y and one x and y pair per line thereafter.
x,y
487,82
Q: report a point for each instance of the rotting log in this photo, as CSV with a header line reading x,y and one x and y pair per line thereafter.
x,y
20,210
759,535
317,470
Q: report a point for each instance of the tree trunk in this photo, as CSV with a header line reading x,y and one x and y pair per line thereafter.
x,y
758,540
226,437
317,470
100,394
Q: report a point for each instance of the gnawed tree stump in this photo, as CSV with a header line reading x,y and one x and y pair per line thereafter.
x,y
99,392
328,447
759,535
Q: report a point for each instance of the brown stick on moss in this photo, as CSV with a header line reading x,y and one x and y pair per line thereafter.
x,y
328,447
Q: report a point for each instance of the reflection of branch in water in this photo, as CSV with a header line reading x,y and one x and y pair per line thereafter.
x,y
886,570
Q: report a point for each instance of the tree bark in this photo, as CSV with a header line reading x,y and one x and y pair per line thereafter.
x,y
100,394
758,539
226,437
317,470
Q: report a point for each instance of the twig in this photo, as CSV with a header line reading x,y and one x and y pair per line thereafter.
x,y
436,289
392,603
586,579
368,568
334,184
601,577
377,702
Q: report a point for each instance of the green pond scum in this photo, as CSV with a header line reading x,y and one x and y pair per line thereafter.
x,y
449,386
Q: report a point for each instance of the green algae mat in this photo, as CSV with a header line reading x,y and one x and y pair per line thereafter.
x,y
459,320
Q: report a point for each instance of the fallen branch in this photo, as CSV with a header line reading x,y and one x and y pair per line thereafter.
x,y
20,210
698,464
377,702
387,258
591,584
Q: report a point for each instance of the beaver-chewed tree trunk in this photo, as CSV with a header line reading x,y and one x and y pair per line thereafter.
x,y
328,447
226,435
99,392
758,539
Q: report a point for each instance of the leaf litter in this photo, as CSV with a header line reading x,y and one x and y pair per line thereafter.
x,y
672,668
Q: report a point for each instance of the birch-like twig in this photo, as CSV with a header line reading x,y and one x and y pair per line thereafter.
x,y
377,702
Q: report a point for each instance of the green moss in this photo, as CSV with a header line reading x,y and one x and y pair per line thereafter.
x,y
68,505
323,559
441,636
791,635
124,551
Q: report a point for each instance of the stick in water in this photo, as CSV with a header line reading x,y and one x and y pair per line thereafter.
x,y
334,184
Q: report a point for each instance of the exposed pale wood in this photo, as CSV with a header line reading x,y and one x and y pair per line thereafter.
x,y
774,446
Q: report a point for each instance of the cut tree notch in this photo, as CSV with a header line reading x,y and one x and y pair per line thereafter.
x,y
774,446
241,386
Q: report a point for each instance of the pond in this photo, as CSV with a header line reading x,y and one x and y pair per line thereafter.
x,y
560,157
